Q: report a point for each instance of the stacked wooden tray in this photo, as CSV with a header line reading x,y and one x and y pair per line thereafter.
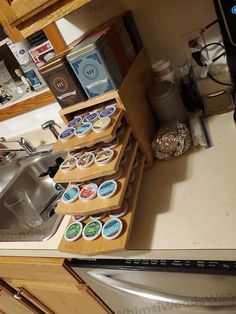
x,y
101,245
98,205
95,171
93,137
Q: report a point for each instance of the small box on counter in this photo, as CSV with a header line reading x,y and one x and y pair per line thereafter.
x,y
62,81
42,53
95,65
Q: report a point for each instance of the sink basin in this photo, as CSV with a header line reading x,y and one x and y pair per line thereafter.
x,y
7,173
42,191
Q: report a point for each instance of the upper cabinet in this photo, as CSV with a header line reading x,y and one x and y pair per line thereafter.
x,y
30,16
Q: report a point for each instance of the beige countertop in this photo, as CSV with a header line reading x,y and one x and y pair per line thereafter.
x,y
186,208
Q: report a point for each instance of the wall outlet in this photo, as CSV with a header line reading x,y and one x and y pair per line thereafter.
x,y
193,37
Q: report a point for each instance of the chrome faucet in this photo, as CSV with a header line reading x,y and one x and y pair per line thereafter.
x,y
23,142
51,124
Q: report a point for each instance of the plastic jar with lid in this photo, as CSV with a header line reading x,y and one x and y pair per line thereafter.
x,y
166,102
163,71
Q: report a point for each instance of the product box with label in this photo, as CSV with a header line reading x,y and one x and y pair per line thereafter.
x,y
95,66
42,53
62,82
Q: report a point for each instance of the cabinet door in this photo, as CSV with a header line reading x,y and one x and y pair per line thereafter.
x,y
17,9
30,16
55,298
11,303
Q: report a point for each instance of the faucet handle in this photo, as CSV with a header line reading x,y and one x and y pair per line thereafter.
x,y
50,124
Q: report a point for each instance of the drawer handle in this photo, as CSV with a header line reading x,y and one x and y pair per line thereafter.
x,y
17,296
216,94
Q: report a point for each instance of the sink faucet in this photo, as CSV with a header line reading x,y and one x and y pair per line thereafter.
x,y
51,124
23,142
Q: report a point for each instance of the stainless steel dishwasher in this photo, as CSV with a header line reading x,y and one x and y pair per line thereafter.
x,y
161,286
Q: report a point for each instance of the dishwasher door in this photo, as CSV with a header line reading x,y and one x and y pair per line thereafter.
x,y
145,292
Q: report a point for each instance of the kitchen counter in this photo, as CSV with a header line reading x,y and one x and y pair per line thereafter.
x,y
186,208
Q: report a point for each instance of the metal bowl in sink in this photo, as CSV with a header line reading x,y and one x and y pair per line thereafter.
x,y
42,192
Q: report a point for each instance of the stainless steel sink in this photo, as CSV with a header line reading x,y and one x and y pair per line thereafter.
x,y
7,173
42,191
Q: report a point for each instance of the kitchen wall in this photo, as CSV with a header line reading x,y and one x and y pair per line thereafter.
x,y
165,26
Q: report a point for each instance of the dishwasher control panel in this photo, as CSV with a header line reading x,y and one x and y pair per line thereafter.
x,y
188,266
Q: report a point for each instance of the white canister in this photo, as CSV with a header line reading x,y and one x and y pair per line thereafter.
x,y
163,71
166,102
20,51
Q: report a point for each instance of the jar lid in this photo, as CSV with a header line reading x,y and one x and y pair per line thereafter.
x,y
107,112
111,145
119,212
71,194
90,117
86,160
107,189
88,192
75,122
104,157
68,165
73,231
92,230
98,216
101,124
79,218
67,134
83,129
112,229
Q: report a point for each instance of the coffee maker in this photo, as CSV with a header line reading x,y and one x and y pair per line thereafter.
x,y
226,12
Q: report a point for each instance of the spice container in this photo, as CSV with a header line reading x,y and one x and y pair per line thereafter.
x,y
32,74
62,81
95,66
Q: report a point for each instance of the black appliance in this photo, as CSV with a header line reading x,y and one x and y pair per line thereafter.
x,y
226,12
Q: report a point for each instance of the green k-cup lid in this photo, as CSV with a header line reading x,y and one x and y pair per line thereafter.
x,y
73,231
92,230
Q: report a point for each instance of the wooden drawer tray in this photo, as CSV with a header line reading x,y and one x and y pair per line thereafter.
x,y
95,171
93,137
100,245
98,205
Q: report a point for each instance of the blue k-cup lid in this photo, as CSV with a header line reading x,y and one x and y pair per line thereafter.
x,y
71,194
75,122
90,117
112,229
83,129
107,112
67,134
107,189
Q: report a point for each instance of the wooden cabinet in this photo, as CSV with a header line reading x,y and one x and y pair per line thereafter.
x,y
55,297
31,16
49,286
10,302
